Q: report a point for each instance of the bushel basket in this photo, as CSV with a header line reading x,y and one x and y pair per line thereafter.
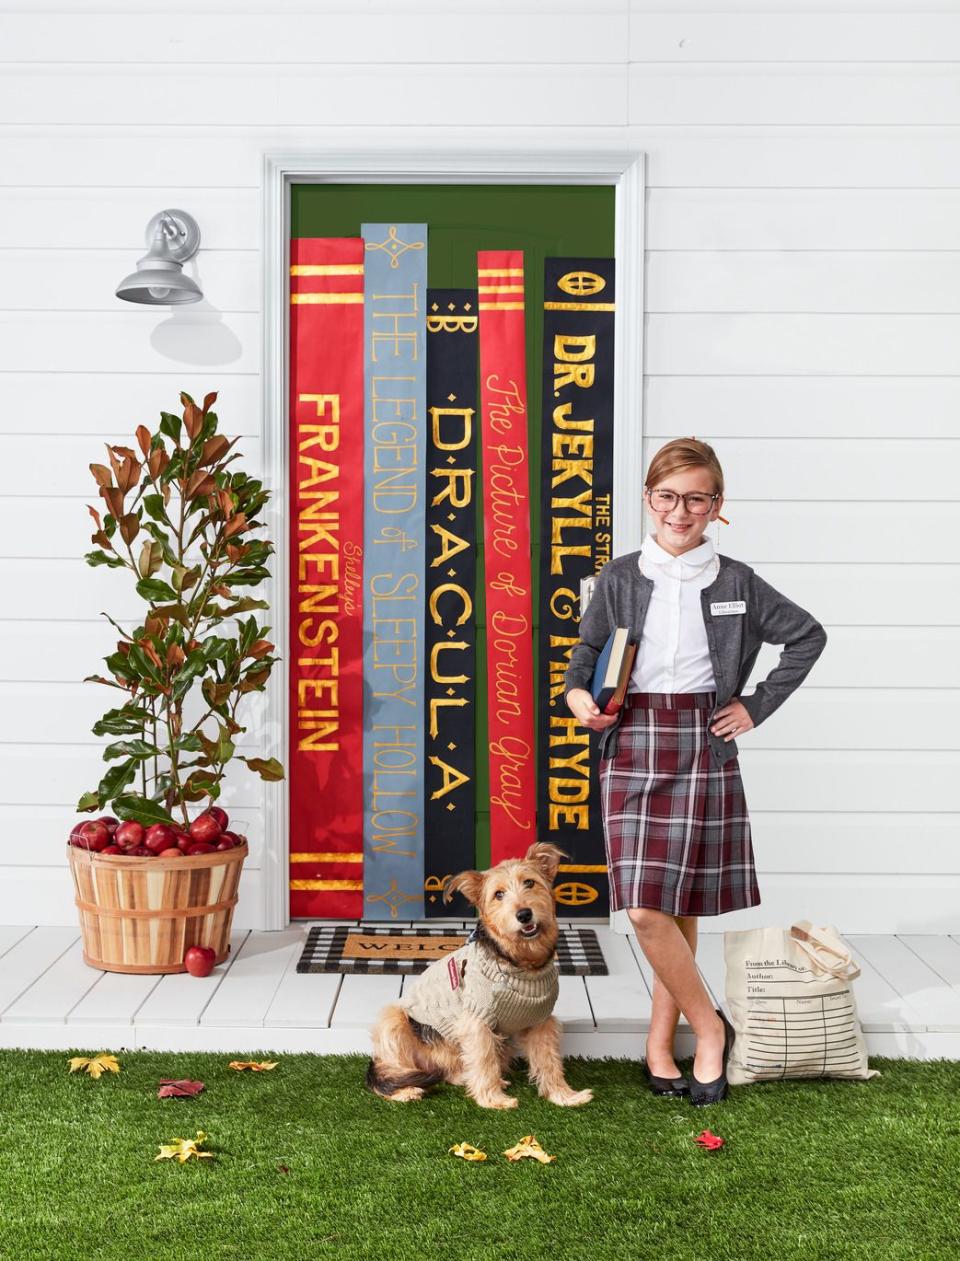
x,y
141,914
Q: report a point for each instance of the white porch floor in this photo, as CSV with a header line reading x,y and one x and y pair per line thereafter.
x,y
908,995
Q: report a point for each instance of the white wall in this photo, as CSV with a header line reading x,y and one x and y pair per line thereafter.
x,y
803,231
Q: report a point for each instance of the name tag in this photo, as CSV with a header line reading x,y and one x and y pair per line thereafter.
x,y
724,607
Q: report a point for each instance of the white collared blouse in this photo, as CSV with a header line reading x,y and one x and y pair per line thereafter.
x,y
673,654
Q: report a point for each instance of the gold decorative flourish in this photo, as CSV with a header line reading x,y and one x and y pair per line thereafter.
x,y
393,898
393,246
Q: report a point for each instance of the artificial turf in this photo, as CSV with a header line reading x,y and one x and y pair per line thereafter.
x,y
309,1165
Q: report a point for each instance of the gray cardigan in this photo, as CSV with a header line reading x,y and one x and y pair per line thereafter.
x,y
621,597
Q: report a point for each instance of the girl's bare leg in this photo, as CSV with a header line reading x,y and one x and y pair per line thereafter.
x,y
669,953
666,1014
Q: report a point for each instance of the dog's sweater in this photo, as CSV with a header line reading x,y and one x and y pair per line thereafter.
x,y
474,979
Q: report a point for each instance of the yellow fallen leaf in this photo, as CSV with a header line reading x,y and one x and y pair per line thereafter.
x,y
468,1152
183,1148
95,1065
258,1067
528,1146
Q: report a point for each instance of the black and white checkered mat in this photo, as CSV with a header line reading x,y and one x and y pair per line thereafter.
x,y
381,949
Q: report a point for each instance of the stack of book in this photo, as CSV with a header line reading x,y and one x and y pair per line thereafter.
x,y
611,675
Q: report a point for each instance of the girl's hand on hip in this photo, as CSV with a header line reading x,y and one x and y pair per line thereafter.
x,y
731,720
584,708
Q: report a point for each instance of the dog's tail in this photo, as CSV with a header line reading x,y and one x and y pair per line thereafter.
x,y
387,1085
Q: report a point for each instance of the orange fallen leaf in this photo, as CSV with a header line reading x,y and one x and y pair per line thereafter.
x,y
468,1152
260,1066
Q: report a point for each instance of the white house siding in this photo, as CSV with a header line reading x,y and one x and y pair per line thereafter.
x,y
803,314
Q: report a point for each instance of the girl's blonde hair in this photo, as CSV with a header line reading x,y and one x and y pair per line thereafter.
x,y
684,453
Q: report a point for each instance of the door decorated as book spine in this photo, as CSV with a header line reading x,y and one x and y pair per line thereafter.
x,y
450,504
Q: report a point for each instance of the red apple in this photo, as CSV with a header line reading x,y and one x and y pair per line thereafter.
x,y
184,841
201,847
172,852
199,960
226,842
129,834
157,832
111,823
230,836
112,849
205,827
75,831
94,835
220,815
140,851
241,839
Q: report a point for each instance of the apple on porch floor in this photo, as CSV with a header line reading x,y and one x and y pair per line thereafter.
x,y
908,996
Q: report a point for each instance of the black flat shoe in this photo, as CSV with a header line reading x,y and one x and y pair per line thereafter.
x,y
667,1087
704,1092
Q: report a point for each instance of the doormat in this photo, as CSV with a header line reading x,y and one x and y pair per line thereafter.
x,y
382,949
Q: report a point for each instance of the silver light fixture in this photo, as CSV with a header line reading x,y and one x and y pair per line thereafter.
x,y
173,237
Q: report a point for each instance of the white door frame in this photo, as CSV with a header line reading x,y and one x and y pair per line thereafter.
x,y
461,165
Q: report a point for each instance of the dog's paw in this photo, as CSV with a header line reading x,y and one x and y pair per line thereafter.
x,y
571,1098
498,1101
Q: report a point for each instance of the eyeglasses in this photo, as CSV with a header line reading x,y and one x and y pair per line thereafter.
x,y
695,501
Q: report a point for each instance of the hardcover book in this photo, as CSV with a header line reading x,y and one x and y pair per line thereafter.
x,y
611,676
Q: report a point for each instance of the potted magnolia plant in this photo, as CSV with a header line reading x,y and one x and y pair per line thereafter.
x,y
156,877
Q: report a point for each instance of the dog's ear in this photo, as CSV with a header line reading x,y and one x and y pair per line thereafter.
x,y
469,883
547,858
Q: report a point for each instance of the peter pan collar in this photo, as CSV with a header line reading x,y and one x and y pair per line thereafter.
x,y
696,558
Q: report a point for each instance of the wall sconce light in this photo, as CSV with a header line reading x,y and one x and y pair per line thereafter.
x,y
173,237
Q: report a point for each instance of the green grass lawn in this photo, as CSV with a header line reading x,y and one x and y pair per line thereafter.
x,y
310,1166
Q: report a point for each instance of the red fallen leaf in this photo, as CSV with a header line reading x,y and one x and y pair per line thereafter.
x,y
170,1089
710,1141
283,1168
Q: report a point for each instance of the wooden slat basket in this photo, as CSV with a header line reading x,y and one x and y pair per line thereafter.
x,y
141,914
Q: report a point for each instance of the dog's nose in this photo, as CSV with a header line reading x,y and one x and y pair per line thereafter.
x,y
525,915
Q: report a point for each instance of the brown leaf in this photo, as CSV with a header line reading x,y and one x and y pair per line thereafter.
x,y
226,502
213,448
102,474
236,552
114,461
114,500
192,419
125,453
260,649
155,462
100,537
144,439
129,527
176,656
235,525
129,474
208,401
96,516
200,483
151,652
155,626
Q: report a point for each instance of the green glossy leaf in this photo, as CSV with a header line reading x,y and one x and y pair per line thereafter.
x,y
155,589
155,507
137,749
195,664
141,810
170,425
89,801
188,743
116,778
120,722
266,768
103,558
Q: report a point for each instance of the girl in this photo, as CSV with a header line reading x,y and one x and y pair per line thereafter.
x,y
676,826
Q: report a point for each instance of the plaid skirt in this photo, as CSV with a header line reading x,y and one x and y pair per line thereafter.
x,y
675,823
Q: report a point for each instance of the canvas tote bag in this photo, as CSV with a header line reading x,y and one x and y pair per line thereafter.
x,y
790,996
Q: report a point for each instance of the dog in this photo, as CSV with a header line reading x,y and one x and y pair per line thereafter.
x,y
464,1018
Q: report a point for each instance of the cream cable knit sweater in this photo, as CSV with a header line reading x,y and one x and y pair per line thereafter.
x,y
473,978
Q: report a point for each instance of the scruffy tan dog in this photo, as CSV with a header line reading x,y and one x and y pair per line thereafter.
x,y
464,1018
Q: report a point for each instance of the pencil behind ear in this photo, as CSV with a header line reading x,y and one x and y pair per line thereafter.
x,y
469,883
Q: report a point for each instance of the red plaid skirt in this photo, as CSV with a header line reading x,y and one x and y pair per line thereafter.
x,y
675,823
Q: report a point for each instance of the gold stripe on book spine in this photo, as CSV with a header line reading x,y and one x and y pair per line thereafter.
x,y
326,269
327,299
579,306
327,857
352,885
499,271
501,306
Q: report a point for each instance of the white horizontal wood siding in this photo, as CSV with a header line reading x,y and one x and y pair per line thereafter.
x,y
803,315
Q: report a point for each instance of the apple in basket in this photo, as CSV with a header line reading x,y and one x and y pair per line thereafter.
x,y
199,960
92,835
206,828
